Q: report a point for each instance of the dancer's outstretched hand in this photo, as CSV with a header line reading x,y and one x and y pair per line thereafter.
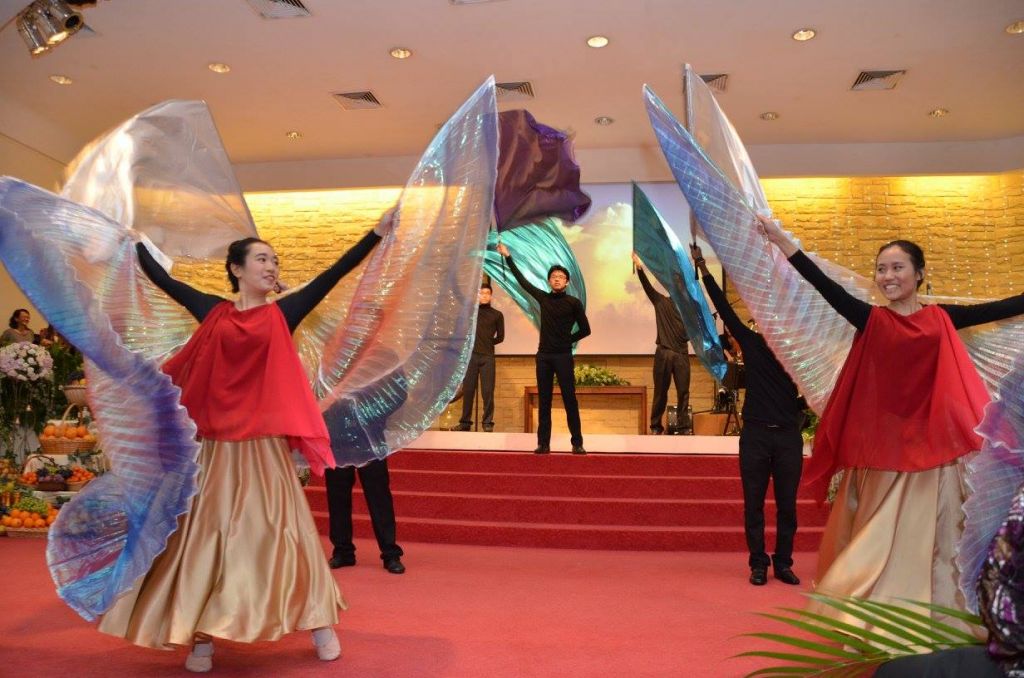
x,y
636,261
773,231
387,222
503,251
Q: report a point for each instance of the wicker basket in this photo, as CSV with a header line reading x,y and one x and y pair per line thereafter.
x,y
75,395
67,445
22,532
76,487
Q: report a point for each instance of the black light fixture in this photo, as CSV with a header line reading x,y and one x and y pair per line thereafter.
x,y
46,23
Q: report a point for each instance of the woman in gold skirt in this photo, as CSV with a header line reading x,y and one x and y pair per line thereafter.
x,y
246,563
899,421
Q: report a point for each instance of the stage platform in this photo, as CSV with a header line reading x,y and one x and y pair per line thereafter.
x,y
597,442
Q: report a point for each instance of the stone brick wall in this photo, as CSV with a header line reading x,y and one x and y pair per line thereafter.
x,y
971,227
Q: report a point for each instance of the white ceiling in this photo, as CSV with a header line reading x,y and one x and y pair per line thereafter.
x,y
956,53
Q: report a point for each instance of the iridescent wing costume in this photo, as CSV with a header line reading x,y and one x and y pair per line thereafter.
x,y
165,174
663,254
809,338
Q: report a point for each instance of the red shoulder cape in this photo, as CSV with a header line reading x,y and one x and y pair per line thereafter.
x,y
907,399
241,378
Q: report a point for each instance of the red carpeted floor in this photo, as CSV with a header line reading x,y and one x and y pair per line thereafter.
x,y
459,611
599,501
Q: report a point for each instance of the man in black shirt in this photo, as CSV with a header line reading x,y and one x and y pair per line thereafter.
x,y
490,331
771,446
671,356
558,313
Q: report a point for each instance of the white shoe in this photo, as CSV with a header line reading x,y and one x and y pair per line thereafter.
x,y
200,659
328,647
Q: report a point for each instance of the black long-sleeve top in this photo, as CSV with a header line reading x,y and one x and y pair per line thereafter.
x,y
671,331
490,330
772,397
857,311
558,312
295,306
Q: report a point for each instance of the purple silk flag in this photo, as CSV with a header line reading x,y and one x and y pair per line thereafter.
x,y
537,174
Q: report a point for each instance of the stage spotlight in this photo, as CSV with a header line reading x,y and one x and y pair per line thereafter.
x,y
32,36
46,23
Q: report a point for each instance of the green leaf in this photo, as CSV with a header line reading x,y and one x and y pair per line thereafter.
x,y
821,648
826,632
850,607
784,671
938,630
855,631
949,612
799,658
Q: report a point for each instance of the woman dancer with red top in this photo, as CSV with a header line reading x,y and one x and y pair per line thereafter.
x,y
246,563
900,420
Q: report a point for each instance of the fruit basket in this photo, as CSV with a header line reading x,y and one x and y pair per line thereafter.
x,y
75,393
31,517
67,436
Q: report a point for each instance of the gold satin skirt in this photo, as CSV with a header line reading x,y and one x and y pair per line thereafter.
x,y
245,564
893,535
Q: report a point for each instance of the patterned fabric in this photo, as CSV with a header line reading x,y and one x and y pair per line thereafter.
x,y
1001,591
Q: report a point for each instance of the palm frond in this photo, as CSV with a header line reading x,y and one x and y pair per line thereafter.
x,y
849,650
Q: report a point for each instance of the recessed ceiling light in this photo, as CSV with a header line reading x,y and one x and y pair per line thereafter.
x,y
400,52
293,134
218,67
939,112
1016,28
61,79
769,115
604,120
804,34
597,41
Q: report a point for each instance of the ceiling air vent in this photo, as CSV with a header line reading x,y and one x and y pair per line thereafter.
x,y
514,91
357,101
868,80
716,81
279,9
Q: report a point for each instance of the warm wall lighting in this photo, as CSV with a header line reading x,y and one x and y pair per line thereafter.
x,y
804,34
597,41
218,67
938,112
604,120
400,52
1016,28
769,115
61,79
293,134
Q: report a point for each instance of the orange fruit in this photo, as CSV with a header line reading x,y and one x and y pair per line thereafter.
x,y
82,431
50,519
5,521
58,430
39,522
15,522
49,430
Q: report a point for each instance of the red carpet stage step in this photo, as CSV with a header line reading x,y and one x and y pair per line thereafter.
x,y
598,501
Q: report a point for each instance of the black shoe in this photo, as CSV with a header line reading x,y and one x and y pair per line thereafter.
x,y
759,576
542,449
578,449
341,561
488,428
394,565
657,430
464,427
787,576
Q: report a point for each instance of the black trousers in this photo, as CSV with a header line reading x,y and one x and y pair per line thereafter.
x,y
377,490
480,366
669,365
776,454
561,365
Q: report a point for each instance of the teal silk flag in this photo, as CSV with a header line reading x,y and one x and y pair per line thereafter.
x,y
664,256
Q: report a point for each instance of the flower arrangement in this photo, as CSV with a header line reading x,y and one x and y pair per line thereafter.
x,y
23,361
590,375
